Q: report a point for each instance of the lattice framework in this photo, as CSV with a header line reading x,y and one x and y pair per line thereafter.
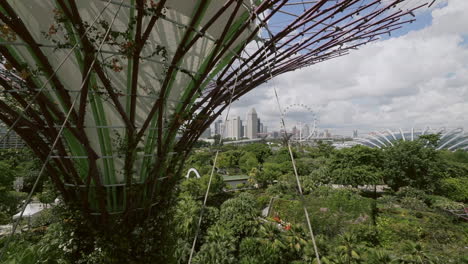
x,y
138,102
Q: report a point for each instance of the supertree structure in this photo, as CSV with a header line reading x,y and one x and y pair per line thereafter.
x,y
111,95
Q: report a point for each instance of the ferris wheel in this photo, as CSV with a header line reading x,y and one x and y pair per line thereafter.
x,y
308,124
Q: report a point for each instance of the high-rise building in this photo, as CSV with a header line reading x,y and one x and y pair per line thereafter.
x,y
305,131
355,133
222,129
258,125
275,134
244,134
235,128
252,124
217,127
265,129
295,132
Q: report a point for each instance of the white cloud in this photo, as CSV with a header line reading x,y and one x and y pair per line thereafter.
x,y
418,79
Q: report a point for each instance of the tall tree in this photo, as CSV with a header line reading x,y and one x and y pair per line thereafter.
x,y
412,163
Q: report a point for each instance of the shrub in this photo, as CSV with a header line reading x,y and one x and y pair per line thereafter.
x,y
411,192
388,201
252,250
455,188
323,191
239,214
263,201
9,204
348,200
46,217
443,203
413,203
366,234
279,188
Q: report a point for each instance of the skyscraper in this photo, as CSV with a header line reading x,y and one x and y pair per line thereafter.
x,y
217,126
227,129
295,132
305,131
233,128
236,128
355,133
252,124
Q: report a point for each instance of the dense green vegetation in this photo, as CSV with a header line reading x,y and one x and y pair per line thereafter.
x,y
409,223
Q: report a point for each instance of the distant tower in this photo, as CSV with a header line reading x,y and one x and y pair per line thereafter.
x,y
295,132
227,129
252,124
236,128
244,134
355,133
275,134
305,131
217,126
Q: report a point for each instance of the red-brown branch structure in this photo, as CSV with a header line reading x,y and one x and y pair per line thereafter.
x,y
166,71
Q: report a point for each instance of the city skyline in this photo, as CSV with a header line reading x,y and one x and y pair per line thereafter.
x,y
236,128
303,129
383,85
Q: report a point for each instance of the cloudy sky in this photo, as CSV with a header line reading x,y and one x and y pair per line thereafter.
x,y
417,78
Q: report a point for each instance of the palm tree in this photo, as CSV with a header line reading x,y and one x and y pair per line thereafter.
x,y
186,216
379,256
348,251
415,253
219,247
215,253
273,235
295,239
218,233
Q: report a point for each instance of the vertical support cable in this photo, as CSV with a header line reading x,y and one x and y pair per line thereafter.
x,y
299,186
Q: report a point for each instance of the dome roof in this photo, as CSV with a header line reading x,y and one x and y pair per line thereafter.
x,y
450,139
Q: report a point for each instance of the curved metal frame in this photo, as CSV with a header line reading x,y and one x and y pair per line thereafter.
x,y
402,134
194,171
367,141
460,134
454,136
391,133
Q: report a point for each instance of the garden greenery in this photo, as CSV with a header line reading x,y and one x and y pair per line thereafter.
x,y
411,222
